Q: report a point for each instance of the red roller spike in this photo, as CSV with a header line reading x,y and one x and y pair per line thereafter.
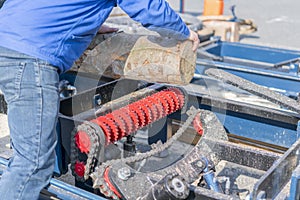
x,y
175,99
160,111
135,120
123,113
119,123
149,105
105,128
154,113
180,95
119,119
146,112
164,103
113,128
79,168
158,106
134,108
82,141
170,102
197,124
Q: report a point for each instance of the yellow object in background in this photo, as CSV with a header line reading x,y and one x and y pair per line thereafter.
x,y
213,7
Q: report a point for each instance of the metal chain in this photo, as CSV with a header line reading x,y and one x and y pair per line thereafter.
x,y
89,129
94,150
98,175
74,155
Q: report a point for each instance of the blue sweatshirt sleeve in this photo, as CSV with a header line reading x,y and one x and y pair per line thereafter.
x,y
156,15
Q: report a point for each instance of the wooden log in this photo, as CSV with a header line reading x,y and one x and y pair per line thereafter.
x,y
162,60
141,57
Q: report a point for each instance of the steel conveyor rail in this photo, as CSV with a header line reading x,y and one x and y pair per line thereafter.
x,y
60,190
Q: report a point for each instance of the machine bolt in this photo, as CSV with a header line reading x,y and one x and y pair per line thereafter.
x,y
124,173
178,185
199,164
97,100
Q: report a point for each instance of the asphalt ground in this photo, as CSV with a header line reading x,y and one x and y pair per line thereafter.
x,y
278,21
4,137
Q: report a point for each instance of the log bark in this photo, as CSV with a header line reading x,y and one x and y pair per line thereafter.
x,y
141,57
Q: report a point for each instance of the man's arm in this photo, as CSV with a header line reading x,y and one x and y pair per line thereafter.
x,y
158,16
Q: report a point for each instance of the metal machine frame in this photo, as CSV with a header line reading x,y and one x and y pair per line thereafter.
x,y
271,132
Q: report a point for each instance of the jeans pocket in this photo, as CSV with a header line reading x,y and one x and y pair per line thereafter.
x,y
13,86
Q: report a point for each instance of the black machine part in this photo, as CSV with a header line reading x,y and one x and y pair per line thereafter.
x,y
188,168
129,146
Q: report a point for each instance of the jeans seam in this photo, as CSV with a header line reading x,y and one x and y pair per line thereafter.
x,y
19,79
41,111
39,122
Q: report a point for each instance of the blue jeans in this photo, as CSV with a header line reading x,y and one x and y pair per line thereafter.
x,y
30,88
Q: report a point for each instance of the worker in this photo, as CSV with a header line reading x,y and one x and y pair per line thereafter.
x,y
39,39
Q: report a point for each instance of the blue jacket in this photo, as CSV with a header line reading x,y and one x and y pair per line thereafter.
x,y
58,31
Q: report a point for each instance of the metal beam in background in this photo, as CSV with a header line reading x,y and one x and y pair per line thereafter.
x,y
274,68
255,89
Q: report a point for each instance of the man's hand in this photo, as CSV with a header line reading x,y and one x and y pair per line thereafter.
x,y
106,29
194,37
